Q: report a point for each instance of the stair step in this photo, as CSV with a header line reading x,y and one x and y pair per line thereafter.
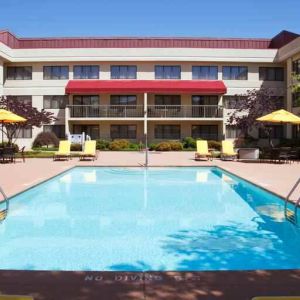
x,y
3,214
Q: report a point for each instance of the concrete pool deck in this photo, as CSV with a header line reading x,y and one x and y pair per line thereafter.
x,y
277,178
220,285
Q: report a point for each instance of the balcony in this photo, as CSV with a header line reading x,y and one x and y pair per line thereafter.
x,y
106,111
185,111
154,111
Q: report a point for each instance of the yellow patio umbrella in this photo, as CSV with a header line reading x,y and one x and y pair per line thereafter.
x,y
9,117
280,116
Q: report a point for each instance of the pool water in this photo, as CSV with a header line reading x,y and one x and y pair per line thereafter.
x,y
131,219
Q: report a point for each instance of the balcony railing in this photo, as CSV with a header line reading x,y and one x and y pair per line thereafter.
x,y
106,111
154,111
185,111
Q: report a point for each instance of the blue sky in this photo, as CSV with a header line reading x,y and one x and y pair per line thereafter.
x,y
215,18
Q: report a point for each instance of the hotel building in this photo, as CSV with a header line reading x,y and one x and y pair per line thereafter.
x,y
170,88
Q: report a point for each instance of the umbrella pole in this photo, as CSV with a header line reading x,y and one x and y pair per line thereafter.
x,y
2,131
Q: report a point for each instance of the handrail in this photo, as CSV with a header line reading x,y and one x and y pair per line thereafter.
x,y
6,201
296,205
154,111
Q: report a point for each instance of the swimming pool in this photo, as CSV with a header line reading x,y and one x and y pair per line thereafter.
x,y
131,219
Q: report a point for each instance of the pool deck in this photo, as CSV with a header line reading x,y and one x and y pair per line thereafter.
x,y
222,285
277,178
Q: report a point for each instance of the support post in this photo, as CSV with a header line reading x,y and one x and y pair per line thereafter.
x,y
146,128
67,116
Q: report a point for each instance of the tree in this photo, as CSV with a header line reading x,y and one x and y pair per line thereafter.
x,y
296,87
35,117
252,105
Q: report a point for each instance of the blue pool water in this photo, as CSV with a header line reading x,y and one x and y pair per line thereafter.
x,y
130,219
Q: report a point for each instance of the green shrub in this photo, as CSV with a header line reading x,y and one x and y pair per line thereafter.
x,y
76,147
45,149
176,146
5,144
163,146
214,145
152,147
45,139
189,142
117,145
135,146
102,144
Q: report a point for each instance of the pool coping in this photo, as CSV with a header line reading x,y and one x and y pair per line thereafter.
x,y
168,285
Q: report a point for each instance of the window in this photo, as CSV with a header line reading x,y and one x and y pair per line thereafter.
x,y
279,102
205,72
56,72
85,100
276,132
204,100
167,132
167,100
232,132
19,73
86,72
296,99
167,72
296,66
58,130
123,100
295,132
235,73
24,133
123,131
233,102
55,102
123,72
206,132
23,99
92,131
270,74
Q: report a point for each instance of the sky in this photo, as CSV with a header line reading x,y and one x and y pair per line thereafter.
x,y
203,18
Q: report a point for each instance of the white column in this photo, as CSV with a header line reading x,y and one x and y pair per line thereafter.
x,y
289,93
145,113
146,127
67,117
1,78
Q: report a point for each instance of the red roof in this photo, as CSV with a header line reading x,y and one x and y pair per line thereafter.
x,y
132,42
276,42
204,87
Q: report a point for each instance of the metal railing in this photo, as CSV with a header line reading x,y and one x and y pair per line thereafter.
x,y
185,111
291,215
154,111
5,202
106,111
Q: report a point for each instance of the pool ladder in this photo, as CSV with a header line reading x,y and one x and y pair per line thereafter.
x,y
291,214
4,211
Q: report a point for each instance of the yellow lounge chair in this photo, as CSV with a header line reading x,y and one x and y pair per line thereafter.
x,y
202,151
227,150
63,151
89,150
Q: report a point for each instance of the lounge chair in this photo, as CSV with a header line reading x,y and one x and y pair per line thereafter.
x,y
202,151
89,150
63,151
228,151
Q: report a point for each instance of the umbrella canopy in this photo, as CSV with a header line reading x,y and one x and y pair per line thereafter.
x,y
280,116
9,117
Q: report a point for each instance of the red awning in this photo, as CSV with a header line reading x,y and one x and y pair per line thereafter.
x,y
204,87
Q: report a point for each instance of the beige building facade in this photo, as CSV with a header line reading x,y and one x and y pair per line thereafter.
x,y
125,88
